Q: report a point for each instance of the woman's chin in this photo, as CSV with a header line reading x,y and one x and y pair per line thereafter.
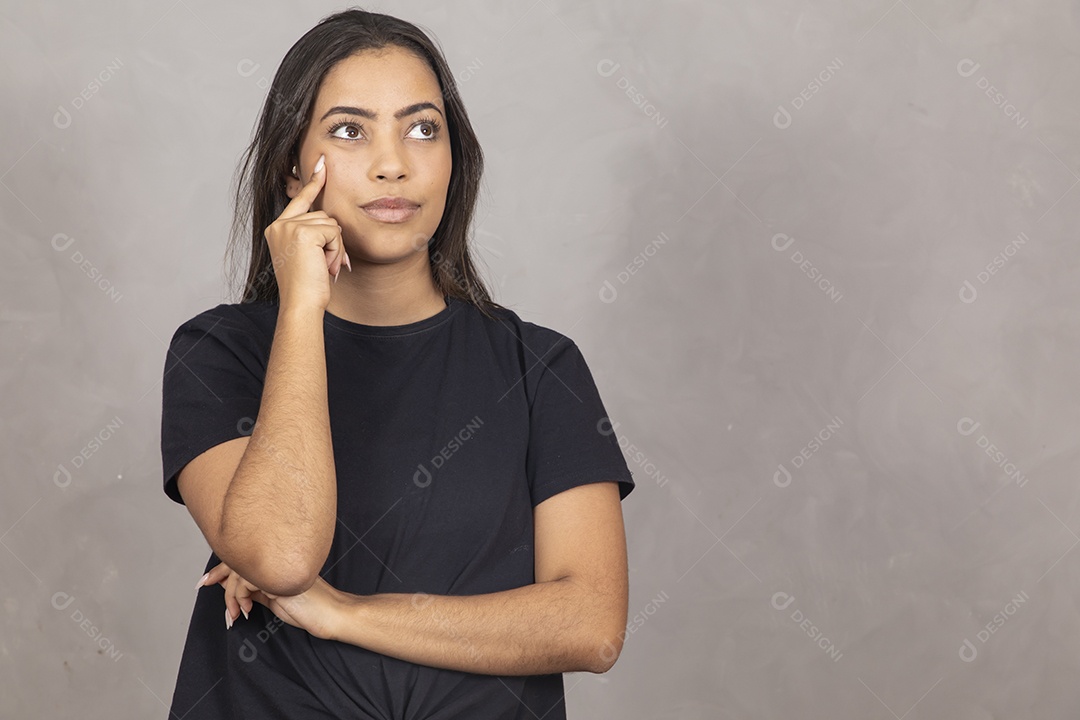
x,y
384,250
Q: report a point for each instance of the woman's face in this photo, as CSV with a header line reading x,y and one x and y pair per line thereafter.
x,y
371,154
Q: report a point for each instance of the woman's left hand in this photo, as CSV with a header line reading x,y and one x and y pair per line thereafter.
x,y
315,610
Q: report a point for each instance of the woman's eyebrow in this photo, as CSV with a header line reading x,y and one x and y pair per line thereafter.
x,y
371,115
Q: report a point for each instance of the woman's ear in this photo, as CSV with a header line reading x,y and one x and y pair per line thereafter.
x,y
292,183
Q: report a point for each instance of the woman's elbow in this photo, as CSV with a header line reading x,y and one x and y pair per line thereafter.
x,y
606,652
285,577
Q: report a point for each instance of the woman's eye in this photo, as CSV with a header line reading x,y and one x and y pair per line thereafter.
x,y
353,131
427,130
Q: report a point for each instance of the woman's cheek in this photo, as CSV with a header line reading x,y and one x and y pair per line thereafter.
x,y
327,198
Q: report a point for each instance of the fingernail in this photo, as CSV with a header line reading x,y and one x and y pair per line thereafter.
x,y
201,581
319,165
336,274
228,619
347,263
244,611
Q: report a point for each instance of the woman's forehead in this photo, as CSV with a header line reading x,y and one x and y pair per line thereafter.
x,y
385,75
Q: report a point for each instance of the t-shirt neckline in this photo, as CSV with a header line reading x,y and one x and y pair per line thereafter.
x,y
427,323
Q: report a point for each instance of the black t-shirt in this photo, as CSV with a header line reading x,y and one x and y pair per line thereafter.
x,y
447,432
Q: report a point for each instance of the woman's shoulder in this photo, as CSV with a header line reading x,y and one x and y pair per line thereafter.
x,y
255,319
509,326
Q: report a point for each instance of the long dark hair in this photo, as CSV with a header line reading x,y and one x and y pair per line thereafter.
x,y
260,187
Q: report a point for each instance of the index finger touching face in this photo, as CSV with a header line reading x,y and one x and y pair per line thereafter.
x,y
303,200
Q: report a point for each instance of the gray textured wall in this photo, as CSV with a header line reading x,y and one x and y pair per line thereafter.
x,y
817,255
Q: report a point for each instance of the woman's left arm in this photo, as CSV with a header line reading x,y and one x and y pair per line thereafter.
x,y
572,619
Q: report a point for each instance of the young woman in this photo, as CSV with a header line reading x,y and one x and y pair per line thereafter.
x,y
412,496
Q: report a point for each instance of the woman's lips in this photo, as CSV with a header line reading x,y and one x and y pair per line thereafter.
x,y
391,215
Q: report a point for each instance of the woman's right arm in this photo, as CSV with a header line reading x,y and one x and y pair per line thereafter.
x,y
270,514
279,511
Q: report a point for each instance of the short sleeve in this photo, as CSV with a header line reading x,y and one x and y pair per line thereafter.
x,y
571,440
211,388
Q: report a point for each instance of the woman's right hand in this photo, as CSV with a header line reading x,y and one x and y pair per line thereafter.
x,y
306,247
